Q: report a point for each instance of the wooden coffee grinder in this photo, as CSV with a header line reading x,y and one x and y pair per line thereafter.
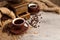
x,y
19,8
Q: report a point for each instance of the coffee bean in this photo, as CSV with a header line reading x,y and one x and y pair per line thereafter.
x,y
34,20
0,25
41,17
39,22
38,25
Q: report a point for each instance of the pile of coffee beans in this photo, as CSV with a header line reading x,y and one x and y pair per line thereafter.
x,y
34,20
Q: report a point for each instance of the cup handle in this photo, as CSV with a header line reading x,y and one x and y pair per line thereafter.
x,y
27,24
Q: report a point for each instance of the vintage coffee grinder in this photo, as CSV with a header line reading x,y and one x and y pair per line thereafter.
x,y
19,7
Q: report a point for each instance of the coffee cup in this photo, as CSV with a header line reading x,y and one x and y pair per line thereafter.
x,y
33,7
20,26
18,21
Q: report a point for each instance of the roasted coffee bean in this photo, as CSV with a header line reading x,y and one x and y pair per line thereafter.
x,y
0,25
34,20
41,17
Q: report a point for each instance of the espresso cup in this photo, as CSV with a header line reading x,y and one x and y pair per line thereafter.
x,y
32,7
20,26
18,21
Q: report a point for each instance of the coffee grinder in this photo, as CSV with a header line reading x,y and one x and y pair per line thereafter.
x,y
19,7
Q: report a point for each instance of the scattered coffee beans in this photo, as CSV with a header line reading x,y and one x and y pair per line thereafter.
x,y
34,20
